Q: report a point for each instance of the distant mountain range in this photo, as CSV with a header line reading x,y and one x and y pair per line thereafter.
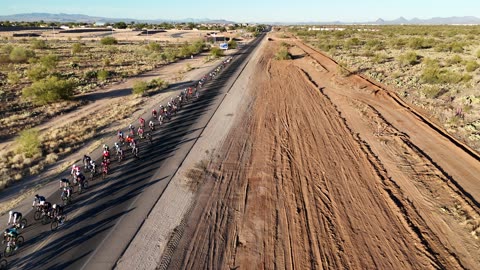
x,y
403,21
80,18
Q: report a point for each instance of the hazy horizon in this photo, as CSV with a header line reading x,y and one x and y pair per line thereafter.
x,y
248,10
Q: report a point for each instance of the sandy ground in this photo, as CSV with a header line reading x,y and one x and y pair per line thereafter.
x,y
326,171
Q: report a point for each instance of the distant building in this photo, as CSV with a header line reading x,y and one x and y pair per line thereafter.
x,y
99,24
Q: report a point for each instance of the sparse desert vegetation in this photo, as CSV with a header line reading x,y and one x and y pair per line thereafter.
x,y
433,67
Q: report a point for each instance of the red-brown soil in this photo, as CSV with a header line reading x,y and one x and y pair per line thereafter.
x,y
327,171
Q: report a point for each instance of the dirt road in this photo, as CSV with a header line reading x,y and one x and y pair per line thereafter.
x,y
327,171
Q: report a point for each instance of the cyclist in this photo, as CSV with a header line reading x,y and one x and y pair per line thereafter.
x,y
154,113
142,122
86,161
93,166
10,235
120,135
151,125
75,169
64,182
38,201
106,148
57,212
66,192
106,155
140,132
132,130
14,218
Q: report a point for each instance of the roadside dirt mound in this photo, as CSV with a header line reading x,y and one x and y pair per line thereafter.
x,y
316,175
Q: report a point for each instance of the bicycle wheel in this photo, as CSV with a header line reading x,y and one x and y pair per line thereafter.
x,y
7,251
46,219
37,215
85,184
23,223
54,225
3,264
20,241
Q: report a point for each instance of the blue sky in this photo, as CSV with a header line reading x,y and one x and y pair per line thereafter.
x,y
251,10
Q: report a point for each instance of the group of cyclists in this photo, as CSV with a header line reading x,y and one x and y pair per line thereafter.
x,y
54,213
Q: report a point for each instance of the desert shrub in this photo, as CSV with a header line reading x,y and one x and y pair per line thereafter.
x,y
398,43
102,75
106,61
50,61
375,45
39,44
37,72
154,47
478,54
434,75
90,74
342,69
108,41
431,91
471,66
353,42
420,43
157,84
283,54
48,90
380,58
232,44
216,52
139,88
20,55
13,78
408,59
7,49
454,60
77,48
457,47
28,143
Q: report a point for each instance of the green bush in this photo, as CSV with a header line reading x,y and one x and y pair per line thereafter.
x,y
13,78
39,44
456,59
37,72
48,90
435,75
28,143
139,88
380,58
471,66
50,61
232,44
20,55
431,91
77,48
102,75
154,47
108,41
283,54
216,52
408,59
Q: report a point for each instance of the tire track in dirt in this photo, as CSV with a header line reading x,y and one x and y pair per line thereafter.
x,y
296,188
432,187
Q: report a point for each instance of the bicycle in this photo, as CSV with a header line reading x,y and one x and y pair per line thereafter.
x,y
20,225
149,137
67,199
58,221
12,246
104,172
3,264
39,213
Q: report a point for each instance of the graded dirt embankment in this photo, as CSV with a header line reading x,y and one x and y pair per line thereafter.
x,y
326,171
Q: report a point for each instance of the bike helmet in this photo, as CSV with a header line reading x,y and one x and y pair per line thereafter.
x,y
54,206
11,212
36,196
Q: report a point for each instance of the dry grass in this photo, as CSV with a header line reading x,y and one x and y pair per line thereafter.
x,y
432,67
